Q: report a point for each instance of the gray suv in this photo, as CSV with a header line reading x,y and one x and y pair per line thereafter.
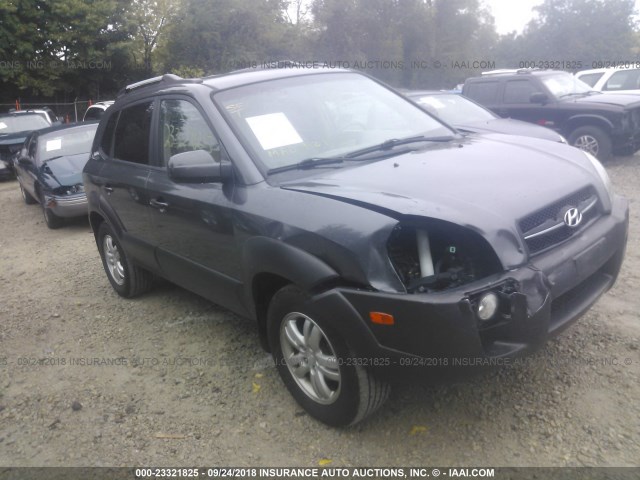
x,y
366,239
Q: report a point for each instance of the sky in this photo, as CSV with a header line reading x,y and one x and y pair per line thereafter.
x,y
513,15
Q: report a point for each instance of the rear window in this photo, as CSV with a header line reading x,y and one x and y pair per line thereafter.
x,y
482,92
22,122
93,113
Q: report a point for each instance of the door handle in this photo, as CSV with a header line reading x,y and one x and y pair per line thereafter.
x,y
108,189
162,206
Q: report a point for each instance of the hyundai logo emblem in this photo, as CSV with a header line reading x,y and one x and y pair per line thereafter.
x,y
572,217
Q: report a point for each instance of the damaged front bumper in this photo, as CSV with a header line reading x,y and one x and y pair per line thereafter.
x,y
443,329
74,205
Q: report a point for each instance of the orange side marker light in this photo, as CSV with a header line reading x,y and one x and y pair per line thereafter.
x,y
381,318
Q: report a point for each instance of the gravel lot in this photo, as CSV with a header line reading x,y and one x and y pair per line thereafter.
x,y
194,388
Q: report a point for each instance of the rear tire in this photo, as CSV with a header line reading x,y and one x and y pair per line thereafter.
x,y
593,140
316,364
127,279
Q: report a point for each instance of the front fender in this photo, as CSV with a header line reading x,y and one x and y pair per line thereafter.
x,y
266,255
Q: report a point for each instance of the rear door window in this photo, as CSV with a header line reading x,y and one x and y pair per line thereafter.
x,y
131,140
483,92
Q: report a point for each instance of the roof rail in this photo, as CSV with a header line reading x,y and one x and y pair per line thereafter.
x,y
502,71
167,78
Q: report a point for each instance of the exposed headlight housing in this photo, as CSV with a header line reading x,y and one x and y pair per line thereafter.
x,y
488,306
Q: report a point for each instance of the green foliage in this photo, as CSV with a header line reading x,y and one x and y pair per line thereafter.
x,y
91,48
585,31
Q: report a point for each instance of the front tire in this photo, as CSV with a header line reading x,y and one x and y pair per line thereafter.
x,y
593,140
127,279
26,196
51,219
316,364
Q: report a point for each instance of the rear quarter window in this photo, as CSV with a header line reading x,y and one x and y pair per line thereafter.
x,y
482,92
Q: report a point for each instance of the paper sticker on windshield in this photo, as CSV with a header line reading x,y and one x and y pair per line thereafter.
x,y
273,130
3,125
431,102
55,144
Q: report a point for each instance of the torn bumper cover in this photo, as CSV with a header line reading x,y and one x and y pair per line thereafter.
x,y
443,330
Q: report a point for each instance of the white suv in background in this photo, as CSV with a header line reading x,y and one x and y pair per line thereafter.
x,y
95,111
612,80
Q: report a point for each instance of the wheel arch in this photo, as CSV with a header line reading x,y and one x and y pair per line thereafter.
x,y
587,121
270,265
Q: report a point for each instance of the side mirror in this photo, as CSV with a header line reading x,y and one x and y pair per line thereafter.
x,y
538,97
25,161
198,166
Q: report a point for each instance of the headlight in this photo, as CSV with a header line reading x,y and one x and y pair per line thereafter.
x,y
602,173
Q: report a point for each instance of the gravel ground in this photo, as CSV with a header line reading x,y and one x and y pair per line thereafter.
x,y
192,387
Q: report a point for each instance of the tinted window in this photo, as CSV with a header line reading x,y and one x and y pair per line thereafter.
x,y
107,137
623,80
482,92
93,113
518,91
131,141
184,129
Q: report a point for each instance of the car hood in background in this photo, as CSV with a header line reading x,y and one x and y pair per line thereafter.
x,y
510,127
621,100
66,170
482,182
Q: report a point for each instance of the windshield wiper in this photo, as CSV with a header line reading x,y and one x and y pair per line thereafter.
x,y
52,158
394,142
306,164
572,94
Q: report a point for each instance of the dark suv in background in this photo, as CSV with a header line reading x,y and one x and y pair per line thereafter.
x,y
365,238
594,122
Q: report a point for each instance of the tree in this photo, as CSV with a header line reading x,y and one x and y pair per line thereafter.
x,y
147,21
584,31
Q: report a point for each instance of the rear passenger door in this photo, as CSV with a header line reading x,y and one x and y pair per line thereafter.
x,y
192,222
125,150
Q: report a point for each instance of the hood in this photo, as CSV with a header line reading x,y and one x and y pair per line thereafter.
x,y
67,170
510,127
485,183
621,100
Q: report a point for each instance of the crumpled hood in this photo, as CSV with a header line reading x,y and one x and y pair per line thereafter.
x,y
485,183
67,170
511,127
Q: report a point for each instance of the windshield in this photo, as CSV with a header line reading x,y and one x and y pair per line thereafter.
x,y
453,109
66,142
563,84
285,121
22,123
